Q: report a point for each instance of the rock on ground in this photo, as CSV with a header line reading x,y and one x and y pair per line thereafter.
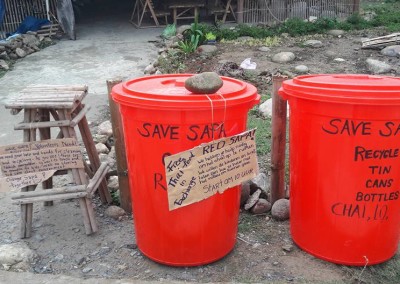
x,y
204,83
265,108
301,69
115,212
378,67
393,51
335,32
280,210
113,183
4,65
20,52
16,256
264,49
207,49
183,28
105,128
262,206
313,43
283,57
150,69
253,199
261,181
101,148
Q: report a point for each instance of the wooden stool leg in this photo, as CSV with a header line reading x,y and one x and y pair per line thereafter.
x,y
27,209
45,134
79,178
87,138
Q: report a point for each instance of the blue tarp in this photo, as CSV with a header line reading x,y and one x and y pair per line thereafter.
x,y
30,24
2,11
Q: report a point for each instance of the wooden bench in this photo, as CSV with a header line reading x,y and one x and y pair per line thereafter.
x,y
219,9
143,7
185,9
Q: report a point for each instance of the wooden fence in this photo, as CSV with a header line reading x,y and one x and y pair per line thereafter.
x,y
275,11
17,10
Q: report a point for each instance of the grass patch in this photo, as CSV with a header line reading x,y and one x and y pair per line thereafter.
x,y
263,125
387,15
386,273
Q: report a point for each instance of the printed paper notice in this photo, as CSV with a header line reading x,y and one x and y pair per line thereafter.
x,y
210,168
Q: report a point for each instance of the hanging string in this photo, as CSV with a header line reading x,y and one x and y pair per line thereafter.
x,y
212,115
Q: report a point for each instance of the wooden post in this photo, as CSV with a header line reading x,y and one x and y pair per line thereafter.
x,y
356,6
278,145
240,5
122,166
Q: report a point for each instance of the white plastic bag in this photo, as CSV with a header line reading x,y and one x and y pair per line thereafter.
x,y
247,64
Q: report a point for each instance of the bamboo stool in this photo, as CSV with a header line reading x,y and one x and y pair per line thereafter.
x,y
64,104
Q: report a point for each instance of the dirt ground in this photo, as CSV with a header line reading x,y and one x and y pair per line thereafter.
x,y
259,254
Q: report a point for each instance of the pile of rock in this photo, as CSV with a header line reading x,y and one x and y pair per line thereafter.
x,y
19,47
256,198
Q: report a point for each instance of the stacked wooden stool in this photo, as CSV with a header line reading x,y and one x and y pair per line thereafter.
x,y
47,107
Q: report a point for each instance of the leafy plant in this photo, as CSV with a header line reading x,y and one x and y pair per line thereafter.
x,y
188,46
192,38
210,36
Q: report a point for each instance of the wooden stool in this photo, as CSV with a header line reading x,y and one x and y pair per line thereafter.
x,y
39,160
64,104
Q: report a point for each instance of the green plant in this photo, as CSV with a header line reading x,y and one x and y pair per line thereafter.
x,y
169,31
192,38
188,46
115,197
210,36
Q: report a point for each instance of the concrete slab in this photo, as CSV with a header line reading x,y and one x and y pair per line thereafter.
x,y
106,48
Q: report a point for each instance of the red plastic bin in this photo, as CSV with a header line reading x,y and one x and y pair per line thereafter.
x,y
160,117
345,166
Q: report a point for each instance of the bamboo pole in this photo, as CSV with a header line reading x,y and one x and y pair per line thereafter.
x,y
27,209
77,176
45,134
278,145
95,163
53,191
119,141
47,124
49,198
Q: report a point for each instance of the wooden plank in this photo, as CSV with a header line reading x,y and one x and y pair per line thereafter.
x,y
381,41
120,152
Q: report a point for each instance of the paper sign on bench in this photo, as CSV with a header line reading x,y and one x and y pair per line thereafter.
x,y
210,168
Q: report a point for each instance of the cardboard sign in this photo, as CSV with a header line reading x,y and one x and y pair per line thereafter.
x,y
210,168
14,183
34,162
41,160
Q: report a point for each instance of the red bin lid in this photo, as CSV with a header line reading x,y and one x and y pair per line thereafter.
x,y
343,88
168,91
